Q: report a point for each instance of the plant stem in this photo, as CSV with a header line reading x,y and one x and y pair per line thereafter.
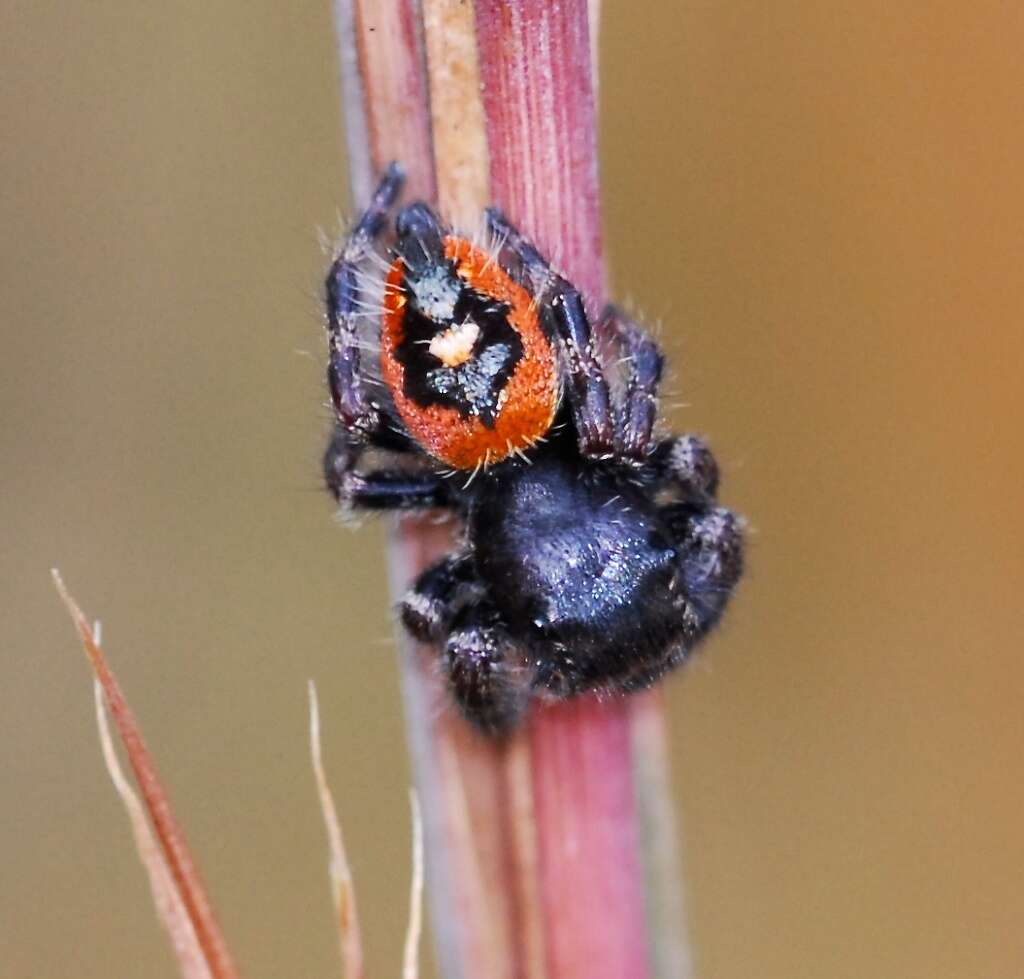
x,y
535,858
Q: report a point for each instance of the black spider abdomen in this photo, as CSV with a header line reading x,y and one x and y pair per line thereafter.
x,y
582,568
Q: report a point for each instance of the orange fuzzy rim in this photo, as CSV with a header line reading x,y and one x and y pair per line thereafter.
x,y
530,397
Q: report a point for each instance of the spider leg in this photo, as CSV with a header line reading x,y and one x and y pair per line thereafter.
x,y
420,239
362,420
489,678
379,489
710,547
685,463
430,606
517,254
562,306
638,412
356,410
650,673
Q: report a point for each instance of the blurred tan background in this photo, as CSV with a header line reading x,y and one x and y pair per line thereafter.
x,y
822,205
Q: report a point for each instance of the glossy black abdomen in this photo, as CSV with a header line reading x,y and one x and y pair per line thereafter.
x,y
578,562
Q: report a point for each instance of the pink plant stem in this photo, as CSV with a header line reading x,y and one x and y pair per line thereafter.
x,y
541,127
535,869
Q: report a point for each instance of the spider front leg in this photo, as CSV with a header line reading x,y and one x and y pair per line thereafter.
x,y
562,306
490,679
361,420
381,489
356,409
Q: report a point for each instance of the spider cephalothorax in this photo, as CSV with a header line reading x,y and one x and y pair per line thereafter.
x,y
594,555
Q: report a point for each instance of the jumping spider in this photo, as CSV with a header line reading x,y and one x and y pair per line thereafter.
x,y
594,555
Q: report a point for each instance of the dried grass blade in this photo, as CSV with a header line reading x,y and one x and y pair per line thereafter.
x,y
182,867
169,906
342,890
410,960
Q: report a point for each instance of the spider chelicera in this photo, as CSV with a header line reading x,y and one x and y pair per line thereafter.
x,y
593,555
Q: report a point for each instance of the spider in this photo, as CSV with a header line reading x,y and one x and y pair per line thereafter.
x,y
593,554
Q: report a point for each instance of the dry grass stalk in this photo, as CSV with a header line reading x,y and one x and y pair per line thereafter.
x,y
174,880
169,906
178,864
342,890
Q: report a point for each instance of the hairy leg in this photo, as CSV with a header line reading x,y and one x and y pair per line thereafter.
x,y
685,463
355,407
381,489
489,678
431,604
638,411
710,547
561,304
361,419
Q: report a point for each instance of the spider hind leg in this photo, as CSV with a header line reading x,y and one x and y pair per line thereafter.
x,y
710,547
490,679
431,604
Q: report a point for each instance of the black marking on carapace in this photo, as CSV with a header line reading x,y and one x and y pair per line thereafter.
x,y
473,388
